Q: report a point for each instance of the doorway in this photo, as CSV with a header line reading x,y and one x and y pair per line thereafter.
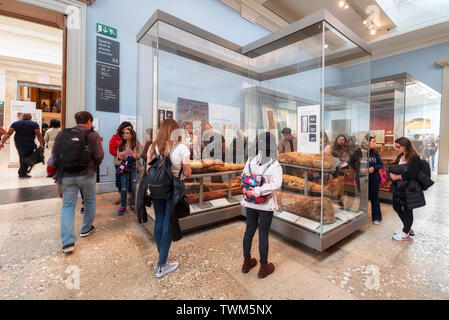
x,y
32,70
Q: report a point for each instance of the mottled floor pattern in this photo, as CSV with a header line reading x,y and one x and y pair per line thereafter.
x,y
118,260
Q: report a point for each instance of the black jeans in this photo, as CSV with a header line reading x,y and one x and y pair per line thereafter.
x,y
404,213
255,218
373,187
22,155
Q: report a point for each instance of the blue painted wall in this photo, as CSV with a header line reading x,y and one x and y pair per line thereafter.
x,y
129,17
419,63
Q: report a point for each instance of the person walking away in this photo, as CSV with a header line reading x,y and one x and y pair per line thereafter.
x,y
127,155
50,134
113,147
375,163
78,154
26,132
418,144
407,155
179,155
288,143
432,150
260,201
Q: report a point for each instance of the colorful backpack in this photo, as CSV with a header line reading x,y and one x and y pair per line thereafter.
x,y
251,180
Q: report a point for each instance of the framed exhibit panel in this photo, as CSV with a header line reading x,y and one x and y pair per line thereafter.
x,y
280,81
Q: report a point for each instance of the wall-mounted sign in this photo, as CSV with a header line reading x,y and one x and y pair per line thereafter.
x,y
106,30
2,113
108,51
108,83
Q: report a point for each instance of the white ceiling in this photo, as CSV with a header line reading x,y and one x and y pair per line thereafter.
x,y
402,24
26,40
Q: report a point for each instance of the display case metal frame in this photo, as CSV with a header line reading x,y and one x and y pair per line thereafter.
x,y
289,34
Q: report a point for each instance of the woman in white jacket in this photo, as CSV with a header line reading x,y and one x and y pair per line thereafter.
x,y
261,214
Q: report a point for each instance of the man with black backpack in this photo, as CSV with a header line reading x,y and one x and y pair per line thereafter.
x,y
77,154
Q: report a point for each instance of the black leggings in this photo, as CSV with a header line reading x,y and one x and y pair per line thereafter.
x,y
404,213
253,217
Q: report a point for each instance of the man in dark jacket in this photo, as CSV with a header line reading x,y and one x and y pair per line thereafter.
x,y
83,181
26,132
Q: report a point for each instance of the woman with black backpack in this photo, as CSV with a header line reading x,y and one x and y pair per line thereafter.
x,y
167,147
407,192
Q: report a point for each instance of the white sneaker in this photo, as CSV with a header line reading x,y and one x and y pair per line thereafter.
x,y
164,270
376,222
410,233
401,236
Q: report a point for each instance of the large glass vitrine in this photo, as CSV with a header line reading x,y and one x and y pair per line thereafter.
x,y
308,85
402,106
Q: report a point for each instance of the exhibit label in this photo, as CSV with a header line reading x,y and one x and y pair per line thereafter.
x,y
309,129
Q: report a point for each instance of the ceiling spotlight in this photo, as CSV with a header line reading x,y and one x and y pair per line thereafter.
x,y
326,46
343,4
370,26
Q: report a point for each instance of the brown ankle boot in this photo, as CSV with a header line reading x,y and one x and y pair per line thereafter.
x,y
248,263
265,270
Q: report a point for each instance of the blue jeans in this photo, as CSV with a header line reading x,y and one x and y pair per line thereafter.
x,y
70,188
161,230
127,184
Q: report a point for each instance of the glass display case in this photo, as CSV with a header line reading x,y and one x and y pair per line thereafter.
x,y
403,106
308,84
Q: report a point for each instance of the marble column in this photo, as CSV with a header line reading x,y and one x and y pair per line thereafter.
x,y
443,161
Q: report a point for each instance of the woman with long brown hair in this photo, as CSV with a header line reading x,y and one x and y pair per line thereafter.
x,y
167,144
126,153
407,155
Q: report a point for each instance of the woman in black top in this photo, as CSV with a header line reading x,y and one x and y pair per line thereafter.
x,y
375,163
407,155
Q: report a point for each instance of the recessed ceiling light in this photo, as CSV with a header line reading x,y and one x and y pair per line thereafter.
x,y
342,3
326,46
373,32
346,6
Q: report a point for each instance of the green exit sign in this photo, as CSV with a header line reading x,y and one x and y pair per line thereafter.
x,y
2,103
106,30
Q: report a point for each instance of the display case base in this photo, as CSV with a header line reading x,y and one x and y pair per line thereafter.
x,y
313,239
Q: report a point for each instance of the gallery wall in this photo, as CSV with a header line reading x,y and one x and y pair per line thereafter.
x,y
128,17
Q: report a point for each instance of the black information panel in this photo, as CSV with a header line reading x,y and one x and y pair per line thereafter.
x,y
108,51
108,84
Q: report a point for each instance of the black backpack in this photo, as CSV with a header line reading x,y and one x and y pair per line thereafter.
x,y
159,178
72,152
425,167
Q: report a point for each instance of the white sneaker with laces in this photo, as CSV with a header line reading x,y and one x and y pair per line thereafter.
x,y
410,233
376,222
401,236
166,269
